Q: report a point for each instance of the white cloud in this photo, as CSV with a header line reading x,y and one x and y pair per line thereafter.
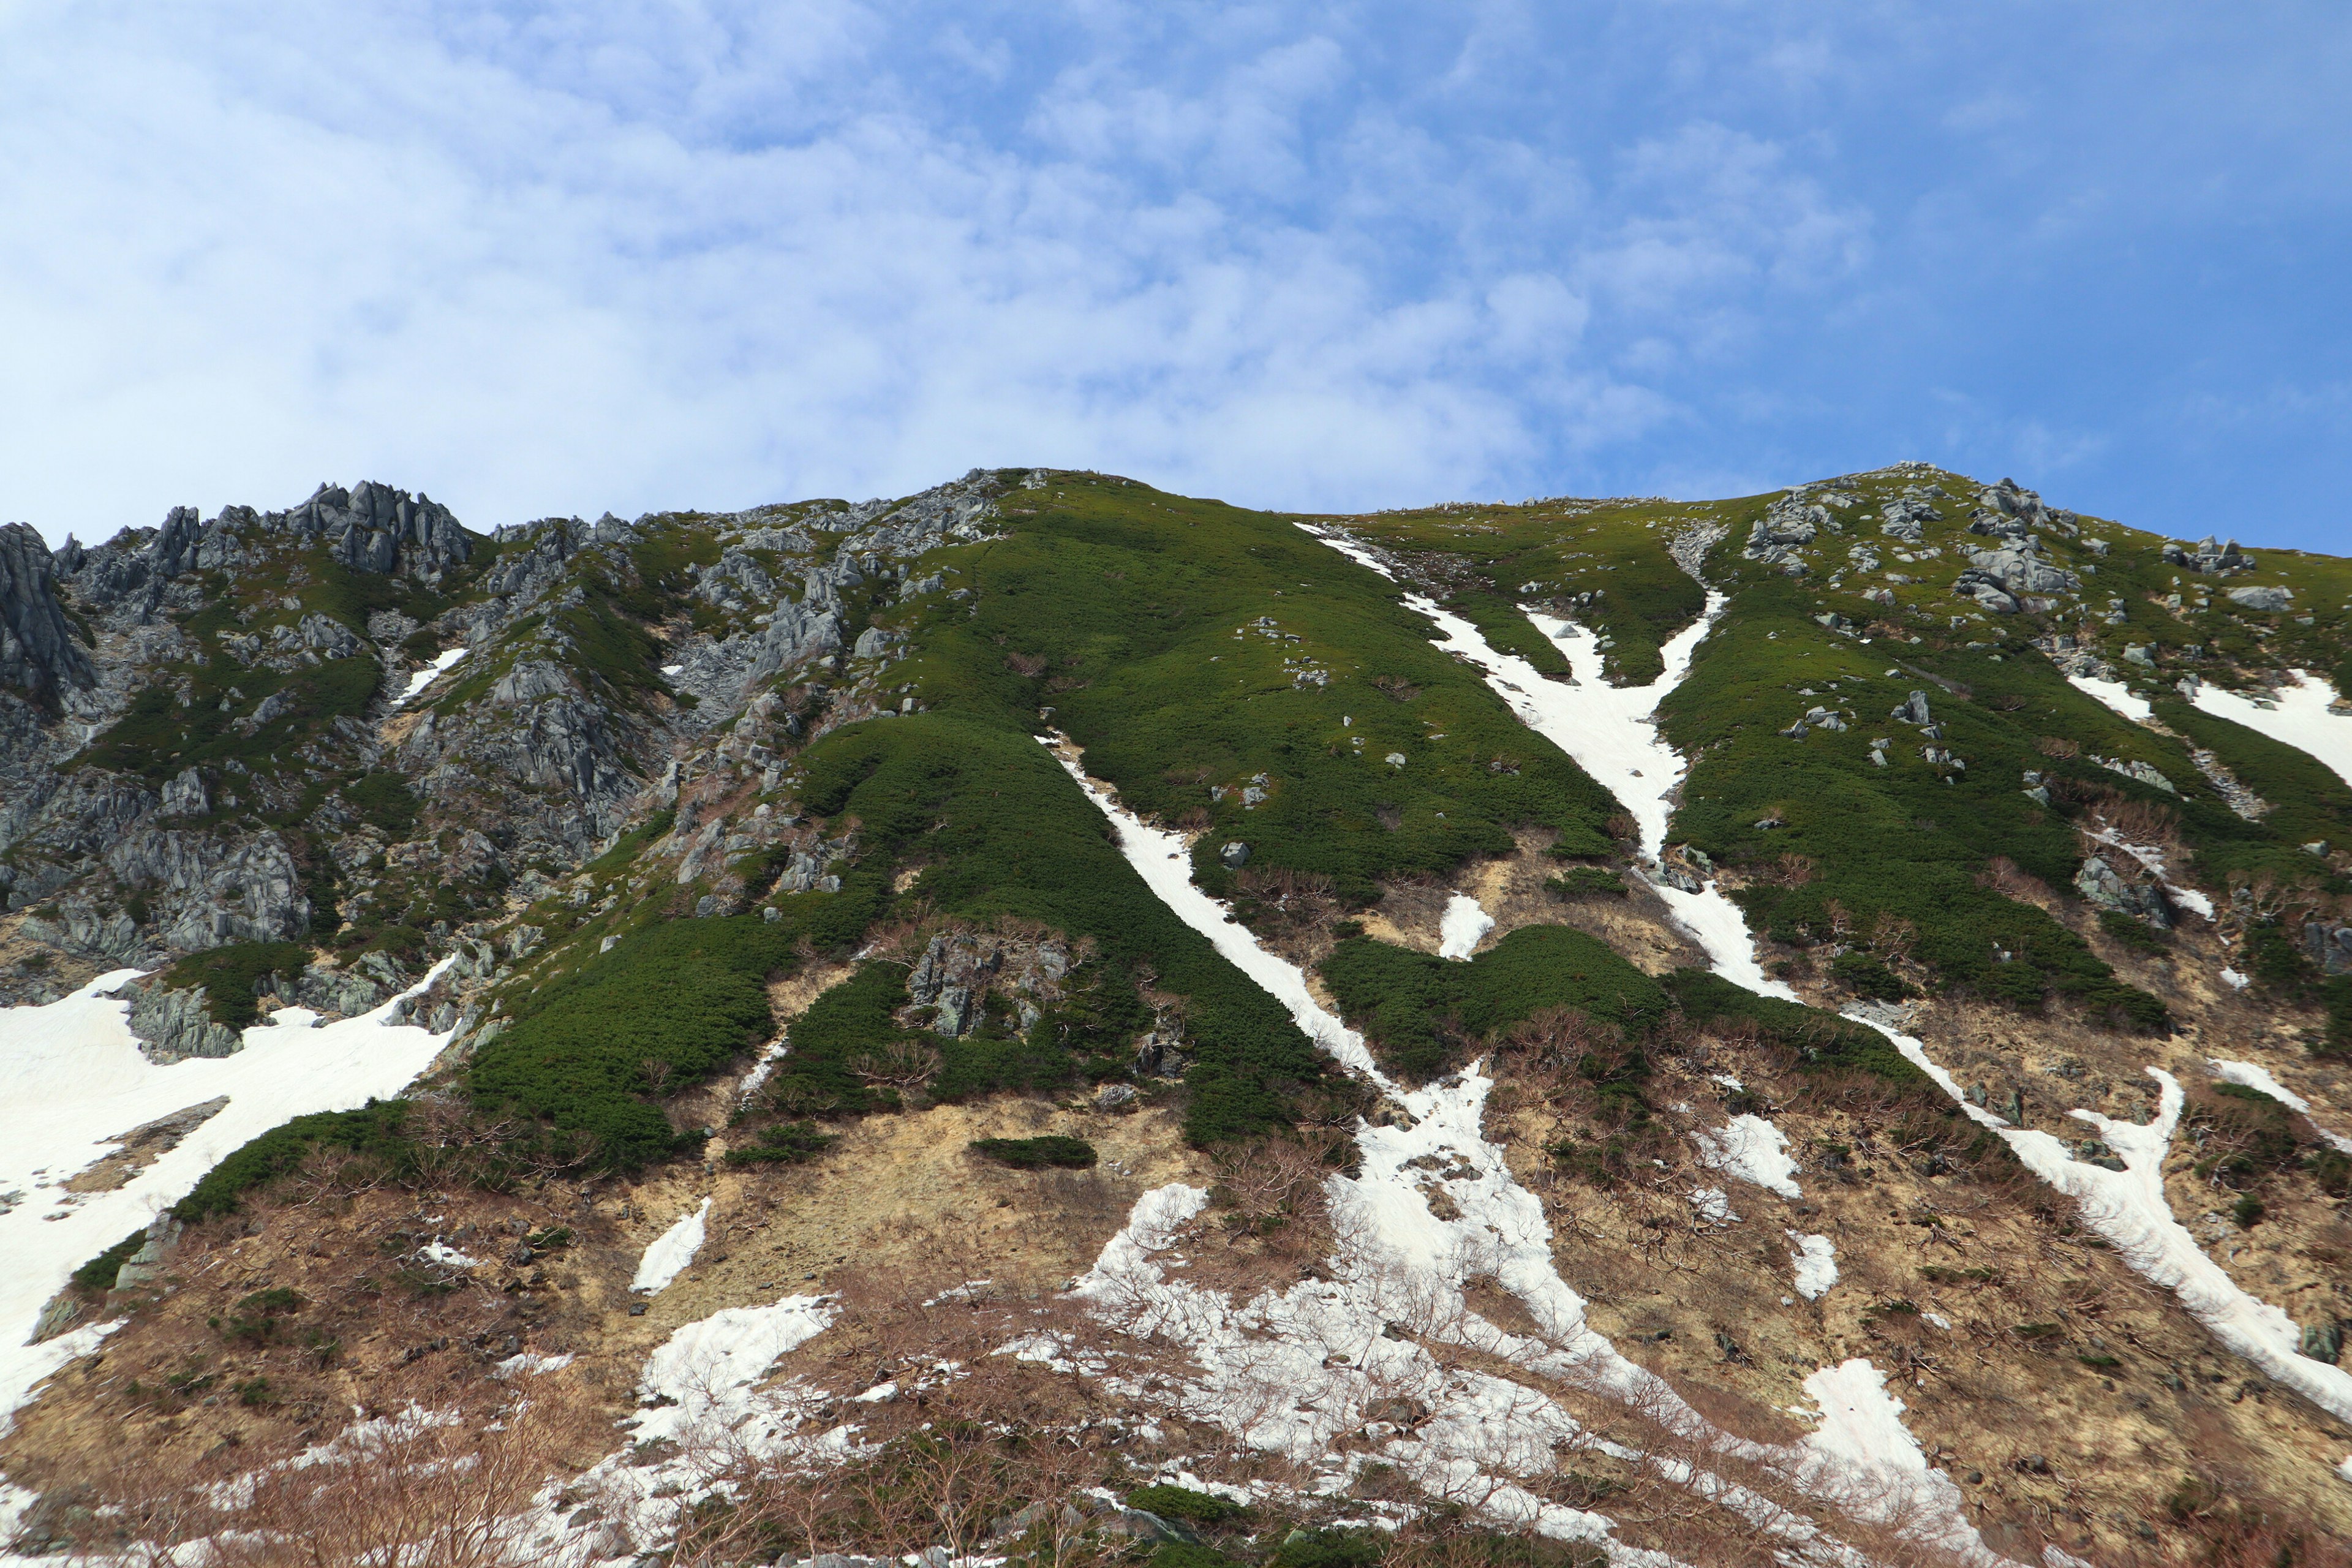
x,y
571,256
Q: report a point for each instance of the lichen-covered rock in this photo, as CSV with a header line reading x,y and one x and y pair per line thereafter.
x,y
173,1025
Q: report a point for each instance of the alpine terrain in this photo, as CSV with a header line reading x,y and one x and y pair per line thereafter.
x,y
1050,1023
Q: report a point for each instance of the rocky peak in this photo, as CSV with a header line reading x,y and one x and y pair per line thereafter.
x,y
37,650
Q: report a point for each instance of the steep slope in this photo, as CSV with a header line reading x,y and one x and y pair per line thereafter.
x,y
1431,930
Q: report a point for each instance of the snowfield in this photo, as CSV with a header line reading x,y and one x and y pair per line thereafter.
x,y
73,1080
2302,715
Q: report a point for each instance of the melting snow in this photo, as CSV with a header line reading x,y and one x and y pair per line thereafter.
x,y
670,1252
1165,862
72,1078
1713,1205
1816,1262
1466,922
1753,1149
1290,1372
2257,1076
1861,1431
447,1256
432,672
2129,1209
2301,717
2116,695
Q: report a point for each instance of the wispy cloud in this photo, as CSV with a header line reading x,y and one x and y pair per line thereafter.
x,y
563,257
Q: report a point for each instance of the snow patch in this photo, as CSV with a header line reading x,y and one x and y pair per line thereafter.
x,y
73,1079
439,1252
2257,1076
432,672
1882,1464
670,1252
1165,862
1754,1151
1713,1204
2116,695
1816,1264
2129,1209
1466,922
2302,715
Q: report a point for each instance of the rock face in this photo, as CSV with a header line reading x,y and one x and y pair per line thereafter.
x,y
173,1025
1777,538
38,654
374,528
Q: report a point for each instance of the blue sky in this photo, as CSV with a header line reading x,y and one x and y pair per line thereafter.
x,y
559,258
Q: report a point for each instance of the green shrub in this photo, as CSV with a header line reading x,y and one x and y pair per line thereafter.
x,y
375,1129
786,1143
2247,1211
1329,1549
1036,1153
385,801
1587,881
2135,934
1183,1502
1867,976
1419,1012
1812,1037
96,1275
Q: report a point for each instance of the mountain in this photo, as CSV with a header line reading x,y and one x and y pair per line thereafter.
x,y
1046,1018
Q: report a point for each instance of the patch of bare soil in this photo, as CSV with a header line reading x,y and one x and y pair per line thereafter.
x,y
2069,1398
1513,889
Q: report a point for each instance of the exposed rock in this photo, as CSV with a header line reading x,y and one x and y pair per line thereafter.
x,y
2330,946
1912,709
1234,856
184,795
2262,598
2217,560
1789,523
2102,884
214,888
38,654
146,1264
959,968
173,1025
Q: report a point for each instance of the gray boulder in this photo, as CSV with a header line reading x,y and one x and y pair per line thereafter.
x,y
2330,946
1912,709
2262,598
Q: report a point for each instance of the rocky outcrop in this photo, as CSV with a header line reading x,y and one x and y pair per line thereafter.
x,y
2330,946
173,1025
958,969
2007,579
2272,599
2207,557
1777,538
374,528
2104,886
38,654
212,889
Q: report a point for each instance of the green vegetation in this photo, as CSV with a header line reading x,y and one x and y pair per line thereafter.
x,y
1000,834
375,1129
384,801
1170,640
1808,1036
1421,1013
785,1143
1036,1153
232,977
1183,1502
96,1275
160,735
1588,881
